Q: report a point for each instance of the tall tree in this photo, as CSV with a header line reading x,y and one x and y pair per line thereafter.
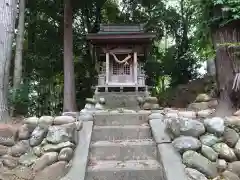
x,y
69,103
19,46
7,25
17,76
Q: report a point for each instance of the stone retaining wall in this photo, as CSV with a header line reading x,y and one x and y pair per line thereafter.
x,y
41,148
196,145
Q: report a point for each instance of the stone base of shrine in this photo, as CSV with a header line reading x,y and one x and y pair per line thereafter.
x,y
128,100
121,88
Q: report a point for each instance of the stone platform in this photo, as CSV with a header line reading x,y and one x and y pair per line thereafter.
x,y
126,100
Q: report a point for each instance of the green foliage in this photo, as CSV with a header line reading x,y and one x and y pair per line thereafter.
x,y
186,23
230,10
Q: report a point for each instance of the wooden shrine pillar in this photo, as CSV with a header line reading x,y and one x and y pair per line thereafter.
x,y
107,67
135,68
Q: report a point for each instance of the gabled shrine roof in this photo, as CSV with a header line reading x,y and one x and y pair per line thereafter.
x,y
120,32
120,29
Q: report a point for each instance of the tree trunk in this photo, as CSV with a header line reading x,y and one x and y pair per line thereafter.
x,y
224,67
7,25
69,103
225,79
19,47
17,75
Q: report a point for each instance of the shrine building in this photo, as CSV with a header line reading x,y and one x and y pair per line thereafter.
x,y
121,52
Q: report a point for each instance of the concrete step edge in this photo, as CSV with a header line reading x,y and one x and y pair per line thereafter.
x,y
135,165
144,126
122,143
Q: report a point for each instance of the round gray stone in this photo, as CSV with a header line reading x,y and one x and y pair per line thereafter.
x,y
234,167
225,152
185,143
45,160
230,175
186,127
65,154
28,159
196,161
209,139
230,137
215,125
194,174
237,149
38,135
209,153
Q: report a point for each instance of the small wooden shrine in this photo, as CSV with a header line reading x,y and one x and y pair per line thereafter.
x,y
121,51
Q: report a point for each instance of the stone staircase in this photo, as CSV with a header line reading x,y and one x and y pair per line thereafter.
x,y
122,148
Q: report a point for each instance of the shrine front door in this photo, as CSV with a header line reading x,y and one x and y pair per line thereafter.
x,y
121,73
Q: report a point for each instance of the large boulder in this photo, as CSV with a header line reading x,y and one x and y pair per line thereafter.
x,y
65,154
225,152
187,114
199,106
230,137
38,151
196,161
53,172
152,100
24,131
203,105
57,147
3,150
193,174
203,98
184,143
23,173
233,121
58,134
45,160
31,120
59,120
209,139
228,175
37,135
215,125
8,135
9,161
205,113
209,153
237,149
18,173
186,127
234,167
28,158
20,148
46,120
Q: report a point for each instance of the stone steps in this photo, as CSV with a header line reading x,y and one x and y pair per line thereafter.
x,y
115,119
128,170
112,133
123,150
